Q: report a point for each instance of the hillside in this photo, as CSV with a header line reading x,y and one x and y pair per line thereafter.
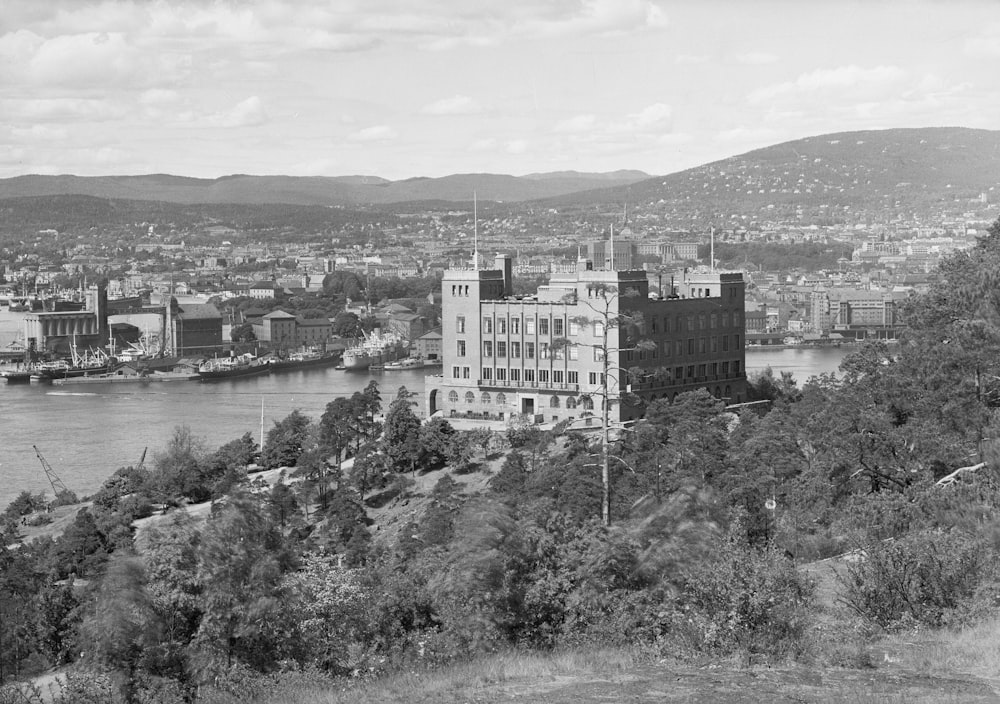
x,y
313,190
848,175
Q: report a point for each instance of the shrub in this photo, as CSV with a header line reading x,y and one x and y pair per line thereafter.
x,y
744,600
925,578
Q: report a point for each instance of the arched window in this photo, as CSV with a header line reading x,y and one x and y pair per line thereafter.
x,y
554,402
501,399
485,398
588,403
470,397
571,403
718,392
729,392
453,396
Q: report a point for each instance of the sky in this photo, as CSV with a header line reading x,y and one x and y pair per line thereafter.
x,y
397,89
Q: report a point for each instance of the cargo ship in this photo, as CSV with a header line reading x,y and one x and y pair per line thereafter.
x,y
233,367
376,349
305,360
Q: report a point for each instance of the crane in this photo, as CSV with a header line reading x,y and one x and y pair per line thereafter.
x,y
57,485
142,460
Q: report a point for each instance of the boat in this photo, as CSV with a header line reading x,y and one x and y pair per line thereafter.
x,y
15,376
118,378
305,360
233,367
404,364
63,369
376,349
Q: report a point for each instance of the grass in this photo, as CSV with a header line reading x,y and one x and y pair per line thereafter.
x,y
464,681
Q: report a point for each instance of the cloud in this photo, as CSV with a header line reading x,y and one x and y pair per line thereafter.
x,y
843,77
456,105
158,96
756,58
516,146
376,133
62,110
246,113
579,123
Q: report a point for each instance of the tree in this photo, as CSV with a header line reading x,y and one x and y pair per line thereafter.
x,y
435,438
287,440
242,333
122,623
401,436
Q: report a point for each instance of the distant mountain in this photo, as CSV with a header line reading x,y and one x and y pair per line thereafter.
x,y
841,176
341,191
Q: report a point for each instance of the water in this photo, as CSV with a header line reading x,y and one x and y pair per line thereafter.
x,y
87,431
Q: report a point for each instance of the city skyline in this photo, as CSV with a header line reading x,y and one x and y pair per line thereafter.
x,y
207,89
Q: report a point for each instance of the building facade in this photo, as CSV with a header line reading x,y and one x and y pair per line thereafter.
x,y
543,355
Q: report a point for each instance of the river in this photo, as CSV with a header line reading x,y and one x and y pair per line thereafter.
x,y
86,432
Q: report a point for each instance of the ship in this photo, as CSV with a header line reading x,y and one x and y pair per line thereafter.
x,y
376,349
86,364
305,360
233,367
404,364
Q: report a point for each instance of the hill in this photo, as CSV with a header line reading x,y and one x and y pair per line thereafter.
x,y
312,190
847,176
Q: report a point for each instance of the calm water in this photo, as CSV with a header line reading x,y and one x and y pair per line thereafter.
x,y
86,432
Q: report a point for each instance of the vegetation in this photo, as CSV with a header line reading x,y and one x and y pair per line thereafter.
x,y
893,463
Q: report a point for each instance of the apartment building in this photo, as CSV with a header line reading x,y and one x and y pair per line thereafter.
x,y
543,355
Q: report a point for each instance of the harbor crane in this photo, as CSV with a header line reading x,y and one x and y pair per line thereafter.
x,y
57,485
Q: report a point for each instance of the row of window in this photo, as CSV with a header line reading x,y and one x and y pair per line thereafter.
x,y
501,400
560,327
664,348
556,376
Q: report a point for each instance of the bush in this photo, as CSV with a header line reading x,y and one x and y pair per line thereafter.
x,y
927,578
744,601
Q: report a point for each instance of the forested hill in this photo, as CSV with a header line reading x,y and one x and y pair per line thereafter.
x,y
314,190
842,176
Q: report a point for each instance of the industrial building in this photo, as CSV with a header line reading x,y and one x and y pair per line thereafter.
x,y
543,355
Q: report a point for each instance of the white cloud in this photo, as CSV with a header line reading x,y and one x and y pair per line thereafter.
x,y
516,146
756,58
376,133
455,105
579,123
246,113
842,77
158,96
61,110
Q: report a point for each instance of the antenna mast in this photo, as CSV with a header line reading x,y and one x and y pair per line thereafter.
x,y
475,232
711,255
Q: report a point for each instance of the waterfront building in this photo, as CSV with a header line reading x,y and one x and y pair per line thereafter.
x,y
543,355
195,328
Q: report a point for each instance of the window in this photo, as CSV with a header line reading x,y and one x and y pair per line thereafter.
x,y
460,324
715,369
668,347
725,343
557,327
702,345
543,375
690,372
574,328
554,402
725,367
736,342
678,324
515,350
652,325
598,328
588,403
714,320
690,322
680,347
455,372
515,375
470,397
572,377
736,367
501,374
737,318
592,378
487,325
529,350
543,350
571,403
715,344
598,354
574,352
529,375
701,370
453,396
543,326
461,348
725,318
557,376
465,372
487,348
701,321
679,373
501,399
501,326
515,326
529,326
690,345
486,399
501,348
487,373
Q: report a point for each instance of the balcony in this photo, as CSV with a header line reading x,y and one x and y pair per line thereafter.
x,y
544,385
